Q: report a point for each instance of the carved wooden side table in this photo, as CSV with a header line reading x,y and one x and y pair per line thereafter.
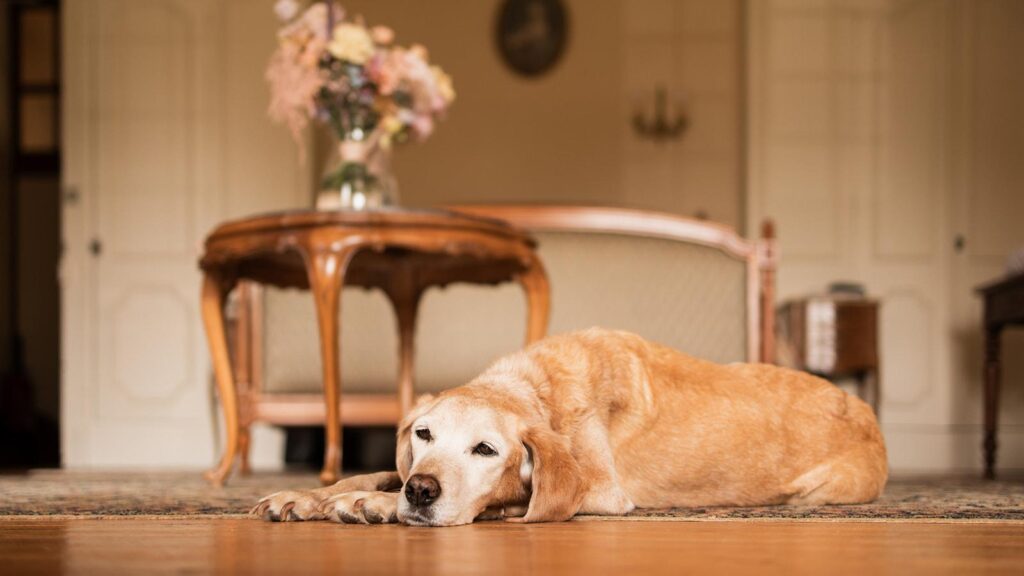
x,y
401,252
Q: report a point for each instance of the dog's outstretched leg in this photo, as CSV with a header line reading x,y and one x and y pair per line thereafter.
x,y
292,505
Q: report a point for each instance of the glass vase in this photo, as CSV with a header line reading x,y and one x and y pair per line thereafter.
x,y
358,177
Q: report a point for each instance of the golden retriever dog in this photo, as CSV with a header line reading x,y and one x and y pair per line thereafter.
x,y
602,422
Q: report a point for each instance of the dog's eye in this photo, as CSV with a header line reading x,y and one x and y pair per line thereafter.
x,y
484,449
424,434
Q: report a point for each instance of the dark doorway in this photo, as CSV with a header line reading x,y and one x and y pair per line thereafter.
x,y
30,235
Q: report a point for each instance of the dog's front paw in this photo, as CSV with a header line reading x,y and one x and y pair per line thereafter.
x,y
361,508
288,506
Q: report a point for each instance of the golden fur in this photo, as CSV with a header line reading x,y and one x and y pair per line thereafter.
x,y
600,422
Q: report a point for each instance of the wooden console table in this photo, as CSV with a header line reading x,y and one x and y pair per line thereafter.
x,y
401,252
1004,306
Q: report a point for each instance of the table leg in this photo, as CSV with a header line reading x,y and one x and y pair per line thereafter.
x,y
214,292
992,377
244,444
405,295
868,389
861,378
242,366
876,395
538,300
326,271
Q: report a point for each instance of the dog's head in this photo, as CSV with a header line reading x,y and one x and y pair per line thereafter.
x,y
459,455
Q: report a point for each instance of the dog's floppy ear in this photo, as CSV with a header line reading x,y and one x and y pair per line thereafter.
x,y
403,452
557,483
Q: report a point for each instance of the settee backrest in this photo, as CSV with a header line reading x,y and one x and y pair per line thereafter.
x,y
694,286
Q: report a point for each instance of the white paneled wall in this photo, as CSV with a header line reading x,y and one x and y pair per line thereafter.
x,y
868,146
165,135
139,105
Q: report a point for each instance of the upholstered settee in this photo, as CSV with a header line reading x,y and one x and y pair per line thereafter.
x,y
689,284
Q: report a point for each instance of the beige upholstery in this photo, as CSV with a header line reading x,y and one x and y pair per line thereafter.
x,y
686,295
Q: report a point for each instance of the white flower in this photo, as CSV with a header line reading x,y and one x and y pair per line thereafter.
x,y
286,9
351,42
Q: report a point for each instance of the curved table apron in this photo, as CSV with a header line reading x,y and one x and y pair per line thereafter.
x,y
400,252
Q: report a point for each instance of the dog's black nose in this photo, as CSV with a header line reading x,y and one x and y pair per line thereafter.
x,y
421,490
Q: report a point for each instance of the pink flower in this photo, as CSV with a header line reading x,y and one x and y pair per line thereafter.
x,y
384,71
423,126
313,52
293,88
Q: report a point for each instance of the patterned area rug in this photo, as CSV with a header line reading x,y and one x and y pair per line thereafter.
x,y
178,494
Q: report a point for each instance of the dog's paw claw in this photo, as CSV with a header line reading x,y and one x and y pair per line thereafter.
x,y
259,509
373,517
286,511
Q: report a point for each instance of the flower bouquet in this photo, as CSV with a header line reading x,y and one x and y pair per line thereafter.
x,y
371,92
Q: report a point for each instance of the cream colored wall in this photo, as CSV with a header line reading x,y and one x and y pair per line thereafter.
x,y
261,167
695,49
879,132
566,136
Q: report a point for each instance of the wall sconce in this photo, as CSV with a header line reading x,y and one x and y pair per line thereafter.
x,y
661,127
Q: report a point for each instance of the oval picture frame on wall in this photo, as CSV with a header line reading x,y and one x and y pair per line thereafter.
x,y
532,35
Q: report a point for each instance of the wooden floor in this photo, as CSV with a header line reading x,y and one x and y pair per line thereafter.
x,y
137,546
